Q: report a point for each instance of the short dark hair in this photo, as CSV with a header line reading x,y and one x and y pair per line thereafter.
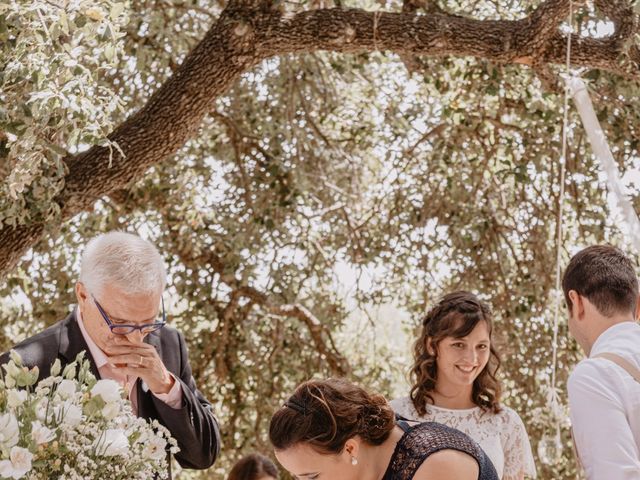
x,y
324,414
605,276
253,467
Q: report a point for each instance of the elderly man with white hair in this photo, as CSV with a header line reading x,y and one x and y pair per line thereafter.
x,y
120,323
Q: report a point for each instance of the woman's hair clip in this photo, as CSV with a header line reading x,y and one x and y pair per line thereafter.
x,y
298,407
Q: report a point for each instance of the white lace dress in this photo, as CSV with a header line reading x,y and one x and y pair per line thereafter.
x,y
501,435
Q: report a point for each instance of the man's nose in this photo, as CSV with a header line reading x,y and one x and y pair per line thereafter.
x,y
136,336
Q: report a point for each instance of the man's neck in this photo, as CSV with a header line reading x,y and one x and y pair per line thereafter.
x,y
601,325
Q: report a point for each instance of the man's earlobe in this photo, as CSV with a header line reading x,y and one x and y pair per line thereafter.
x,y
81,293
577,304
576,301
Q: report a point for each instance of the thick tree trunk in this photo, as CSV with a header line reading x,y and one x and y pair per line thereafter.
x,y
248,32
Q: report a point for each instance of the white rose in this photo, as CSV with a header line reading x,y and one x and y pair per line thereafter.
x,y
40,433
111,410
41,410
46,382
154,448
71,414
66,389
15,398
109,390
18,465
9,430
111,443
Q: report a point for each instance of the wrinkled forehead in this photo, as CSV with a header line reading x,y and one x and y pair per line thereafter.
x,y
122,305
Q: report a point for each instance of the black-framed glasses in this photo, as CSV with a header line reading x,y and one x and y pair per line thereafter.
x,y
125,329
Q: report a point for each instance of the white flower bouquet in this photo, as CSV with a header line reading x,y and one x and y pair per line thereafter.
x,y
71,426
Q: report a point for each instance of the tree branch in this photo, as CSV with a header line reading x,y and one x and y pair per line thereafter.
x,y
335,360
249,31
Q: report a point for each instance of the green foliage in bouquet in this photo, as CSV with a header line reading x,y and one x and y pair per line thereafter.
x,y
72,426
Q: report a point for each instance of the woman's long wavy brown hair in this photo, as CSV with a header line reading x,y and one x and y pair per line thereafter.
x,y
455,315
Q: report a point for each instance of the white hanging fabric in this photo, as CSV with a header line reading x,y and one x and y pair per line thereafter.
x,y
550,446
605,158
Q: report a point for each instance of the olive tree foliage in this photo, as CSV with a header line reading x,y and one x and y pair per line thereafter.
x,y
268,147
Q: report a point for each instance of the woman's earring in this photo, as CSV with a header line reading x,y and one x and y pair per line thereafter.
x,y
354,461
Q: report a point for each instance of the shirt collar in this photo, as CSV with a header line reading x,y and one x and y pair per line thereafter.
x,y
98,355
618,330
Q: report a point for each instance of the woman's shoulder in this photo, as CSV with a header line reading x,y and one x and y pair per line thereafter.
x,y
434,436
448,464
508,416
423,440
404,407
506,422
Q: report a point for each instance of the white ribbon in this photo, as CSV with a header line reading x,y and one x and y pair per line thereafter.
x,y
603,154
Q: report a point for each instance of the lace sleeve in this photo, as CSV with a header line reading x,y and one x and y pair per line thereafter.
x,y
518,458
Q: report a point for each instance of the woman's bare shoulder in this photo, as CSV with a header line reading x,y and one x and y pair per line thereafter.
x,y
448,464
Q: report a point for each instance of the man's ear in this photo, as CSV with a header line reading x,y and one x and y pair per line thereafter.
x,y
637,312
577,304
81,293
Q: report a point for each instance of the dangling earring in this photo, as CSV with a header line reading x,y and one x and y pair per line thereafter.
x,y
354,461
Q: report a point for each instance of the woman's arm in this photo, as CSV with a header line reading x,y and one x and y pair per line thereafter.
x,y
518,457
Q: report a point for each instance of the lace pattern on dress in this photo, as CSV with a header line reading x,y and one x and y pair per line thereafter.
x,y
502,436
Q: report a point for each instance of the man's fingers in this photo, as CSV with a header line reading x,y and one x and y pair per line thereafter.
x,y
130,359
144,349
135,371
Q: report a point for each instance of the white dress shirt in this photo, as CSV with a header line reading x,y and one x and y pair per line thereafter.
x,y
605,407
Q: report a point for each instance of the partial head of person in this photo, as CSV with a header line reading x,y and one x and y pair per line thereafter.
x,y
254,467
600,287
330,429
454,353
119,291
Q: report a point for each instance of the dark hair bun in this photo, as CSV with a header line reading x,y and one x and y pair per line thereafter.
x,y
327,413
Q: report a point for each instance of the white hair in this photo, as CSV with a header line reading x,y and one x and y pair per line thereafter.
x,y
124,261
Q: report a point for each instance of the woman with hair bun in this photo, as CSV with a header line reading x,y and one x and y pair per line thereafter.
x,y
334,430
454,383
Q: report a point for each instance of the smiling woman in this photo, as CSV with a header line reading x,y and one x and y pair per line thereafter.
x,y
455,383
332,429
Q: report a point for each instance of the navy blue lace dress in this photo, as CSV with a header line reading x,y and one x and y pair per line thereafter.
x,y
422,439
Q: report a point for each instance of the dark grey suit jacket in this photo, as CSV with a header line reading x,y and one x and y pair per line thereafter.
x,y
193,426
